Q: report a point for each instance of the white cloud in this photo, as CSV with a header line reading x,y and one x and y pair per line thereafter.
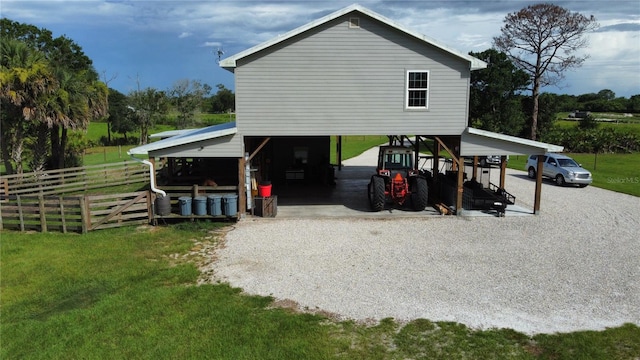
x,y
212,44
184,34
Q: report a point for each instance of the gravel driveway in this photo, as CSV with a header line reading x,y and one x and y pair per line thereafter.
x,y
573,267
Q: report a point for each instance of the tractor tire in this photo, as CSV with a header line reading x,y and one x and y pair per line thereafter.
x,y
420,194
377,198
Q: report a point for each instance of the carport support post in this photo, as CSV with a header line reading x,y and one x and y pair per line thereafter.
x,y
503,170
339,152
460,187
536,200
436,160
242,187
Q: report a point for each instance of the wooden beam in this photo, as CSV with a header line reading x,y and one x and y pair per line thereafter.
x,y
255,152
436,160
475,167
537,196
339,151
242,188
453,154
503,170
460,188
43,215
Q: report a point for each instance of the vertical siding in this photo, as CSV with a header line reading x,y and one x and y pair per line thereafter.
x,y
338,80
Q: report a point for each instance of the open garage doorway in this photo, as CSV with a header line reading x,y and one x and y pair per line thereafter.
x,y
310,180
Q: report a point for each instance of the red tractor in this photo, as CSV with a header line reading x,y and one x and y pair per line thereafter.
x,y
396,180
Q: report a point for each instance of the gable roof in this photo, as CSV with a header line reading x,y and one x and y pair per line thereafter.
x,y
187,137
230,62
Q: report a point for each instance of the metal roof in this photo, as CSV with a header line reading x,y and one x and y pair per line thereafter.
x,y
169,133
230,62
187,137
474,142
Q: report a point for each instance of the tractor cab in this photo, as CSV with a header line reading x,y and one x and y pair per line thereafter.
x,y
396,180
394,160
395,157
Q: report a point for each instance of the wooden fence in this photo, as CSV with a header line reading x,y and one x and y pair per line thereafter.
x,y
73,180
79,213
53,200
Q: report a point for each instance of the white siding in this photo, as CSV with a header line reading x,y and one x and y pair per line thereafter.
x,y
336,80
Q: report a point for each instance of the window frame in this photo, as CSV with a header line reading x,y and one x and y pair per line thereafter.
x,y
407,90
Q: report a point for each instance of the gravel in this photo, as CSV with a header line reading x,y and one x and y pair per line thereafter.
x,y
573,267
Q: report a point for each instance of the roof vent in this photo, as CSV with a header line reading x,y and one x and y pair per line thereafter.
x,y
354,23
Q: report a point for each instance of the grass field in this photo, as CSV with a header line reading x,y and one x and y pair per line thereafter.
x,y
616,172
130,293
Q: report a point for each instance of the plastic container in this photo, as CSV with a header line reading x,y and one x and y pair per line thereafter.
x,y
200,205
185,205
215,205
163,205
264,189
230,204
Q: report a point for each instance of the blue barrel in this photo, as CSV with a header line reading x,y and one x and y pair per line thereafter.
x,y
185,205
200,205
215,205
230,204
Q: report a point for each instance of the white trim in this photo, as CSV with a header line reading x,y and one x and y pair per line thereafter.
x,y
407,89
231,62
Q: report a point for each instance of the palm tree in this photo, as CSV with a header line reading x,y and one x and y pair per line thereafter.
x,y
24,78
79,99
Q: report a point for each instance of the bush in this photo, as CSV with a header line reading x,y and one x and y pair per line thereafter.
x,y
593,140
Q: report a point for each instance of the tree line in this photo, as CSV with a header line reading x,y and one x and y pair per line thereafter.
x,y
48,86
141,109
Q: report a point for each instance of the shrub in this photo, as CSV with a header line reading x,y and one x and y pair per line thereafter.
x,y
593,140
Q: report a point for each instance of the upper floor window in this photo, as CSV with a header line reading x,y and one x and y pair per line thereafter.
x,y
417,89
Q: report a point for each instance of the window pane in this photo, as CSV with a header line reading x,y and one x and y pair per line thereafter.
x,y
418,80
417,98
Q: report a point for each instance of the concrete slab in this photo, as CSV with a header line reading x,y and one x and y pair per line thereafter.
x,y
348,197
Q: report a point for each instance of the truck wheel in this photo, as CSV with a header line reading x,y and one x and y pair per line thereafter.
x,y
420,194
531,173
376,193
560,180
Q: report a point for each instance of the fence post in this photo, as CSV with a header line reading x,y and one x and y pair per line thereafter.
x,y
150,199
20,215
43,215
64,221
84,215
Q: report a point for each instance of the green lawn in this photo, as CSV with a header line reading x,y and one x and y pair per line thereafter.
x,y
616,172
130,293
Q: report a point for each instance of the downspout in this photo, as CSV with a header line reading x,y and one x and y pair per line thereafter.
x,y
152,181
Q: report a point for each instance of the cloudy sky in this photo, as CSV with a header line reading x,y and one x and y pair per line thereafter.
x,y
159,41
